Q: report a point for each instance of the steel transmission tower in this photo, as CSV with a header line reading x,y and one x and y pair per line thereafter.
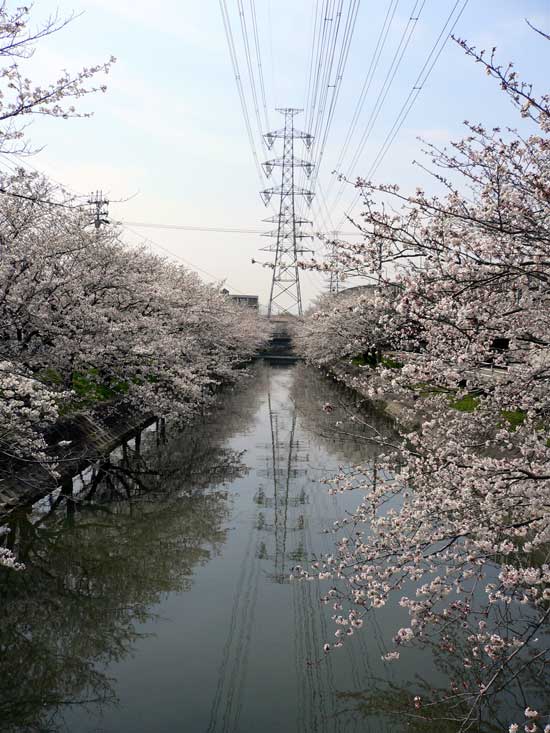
x,y
100,208
285,293
334,280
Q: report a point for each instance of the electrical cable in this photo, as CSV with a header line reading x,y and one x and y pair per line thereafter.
x,y
388,80
418,85
183,259
320,83
240,89
417,88
251,76
384,91
343,57
259,63
375,58
185,227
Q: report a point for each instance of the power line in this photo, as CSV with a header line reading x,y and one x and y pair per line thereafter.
x,y
384,90
271,57
322,103
251,76
336,86
323,200
375,58
259,62
321,42
326,71
38,200
190,228
242,97
425,71
25,163
417,88
185,261
388,80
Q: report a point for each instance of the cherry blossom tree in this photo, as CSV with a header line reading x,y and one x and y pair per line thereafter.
x,y
461,509
86,318
27,404
83,316
21,98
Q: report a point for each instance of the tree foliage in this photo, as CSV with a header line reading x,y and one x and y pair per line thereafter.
x,y
83,316
463,509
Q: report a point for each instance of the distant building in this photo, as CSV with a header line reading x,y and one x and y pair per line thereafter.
x,y
250,301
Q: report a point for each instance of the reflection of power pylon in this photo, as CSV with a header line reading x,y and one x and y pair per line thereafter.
x,y
284,454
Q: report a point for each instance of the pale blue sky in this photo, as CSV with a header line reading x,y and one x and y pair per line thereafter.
x,y
170,125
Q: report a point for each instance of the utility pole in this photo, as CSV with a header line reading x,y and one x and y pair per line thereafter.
x,y
285,295
100,208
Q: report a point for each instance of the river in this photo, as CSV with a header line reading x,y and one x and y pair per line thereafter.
x,y
157,598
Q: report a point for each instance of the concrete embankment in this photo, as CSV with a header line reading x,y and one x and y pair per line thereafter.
x,y
405,413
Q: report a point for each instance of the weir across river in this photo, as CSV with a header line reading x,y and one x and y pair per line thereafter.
x,y
280,347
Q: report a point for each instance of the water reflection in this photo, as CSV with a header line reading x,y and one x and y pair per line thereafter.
x,y
445,701
75,609
158,580
101,555
292,509
347,425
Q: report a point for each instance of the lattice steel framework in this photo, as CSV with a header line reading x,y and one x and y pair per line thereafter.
x,y
100,208
334,277
285,296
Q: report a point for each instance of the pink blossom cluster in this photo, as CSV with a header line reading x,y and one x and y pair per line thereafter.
x,y
78,305
461,337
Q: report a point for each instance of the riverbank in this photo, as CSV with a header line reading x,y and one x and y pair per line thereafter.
x,y
77,440
74,442
404,413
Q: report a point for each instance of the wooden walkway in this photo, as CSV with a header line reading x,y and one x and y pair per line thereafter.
x,y
90,436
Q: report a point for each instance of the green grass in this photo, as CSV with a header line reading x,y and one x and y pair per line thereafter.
x,y
89,390
50,376
425,389
513,417
373,360
365,360
468,403
390,363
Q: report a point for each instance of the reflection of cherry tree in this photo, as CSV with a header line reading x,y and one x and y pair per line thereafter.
x,y
168,459
349,426
75,608
85,318
151,502
466,517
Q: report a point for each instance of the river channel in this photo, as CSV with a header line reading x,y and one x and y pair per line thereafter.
x,y
157,599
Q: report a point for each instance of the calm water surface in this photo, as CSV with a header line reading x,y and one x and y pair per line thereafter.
x,y
165,604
